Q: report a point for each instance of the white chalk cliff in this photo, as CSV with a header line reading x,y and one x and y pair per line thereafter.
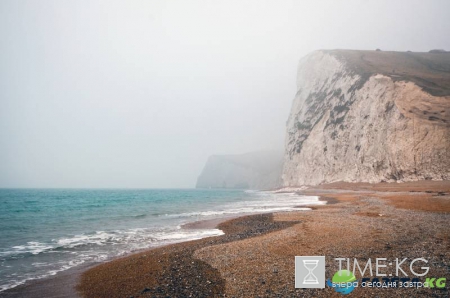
x,y
369,116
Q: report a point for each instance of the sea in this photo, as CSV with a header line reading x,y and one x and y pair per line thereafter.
x,y
47,231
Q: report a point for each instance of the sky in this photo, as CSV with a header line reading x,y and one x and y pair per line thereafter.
x,y
138,94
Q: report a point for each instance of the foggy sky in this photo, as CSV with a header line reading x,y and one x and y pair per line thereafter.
x,y
140,93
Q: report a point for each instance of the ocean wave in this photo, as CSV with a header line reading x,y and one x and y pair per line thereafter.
x,y
150,237
141,238
47,258
140,215
276,203
249,210
32,247
188,235
22,279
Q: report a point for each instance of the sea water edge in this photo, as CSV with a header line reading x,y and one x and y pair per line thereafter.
x,y
46,231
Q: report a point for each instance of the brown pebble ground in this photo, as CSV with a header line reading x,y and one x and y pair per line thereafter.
x,y
255,257
172,271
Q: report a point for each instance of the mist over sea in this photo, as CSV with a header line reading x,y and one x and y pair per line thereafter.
x,y
46,231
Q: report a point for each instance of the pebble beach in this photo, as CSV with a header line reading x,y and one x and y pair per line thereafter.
x,y
255,256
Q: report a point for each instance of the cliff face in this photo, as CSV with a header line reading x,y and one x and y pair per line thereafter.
x,y
256,170
369,116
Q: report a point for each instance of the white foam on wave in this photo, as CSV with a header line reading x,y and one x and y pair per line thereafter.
x,y
149,236
33,247
267,202
99,238
27,277
101,245
184,235
127,242
11,285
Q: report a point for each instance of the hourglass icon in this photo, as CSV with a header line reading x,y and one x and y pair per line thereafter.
x,y
309,272
310,278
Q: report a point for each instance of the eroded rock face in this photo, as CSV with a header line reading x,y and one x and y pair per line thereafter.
x,y
369,116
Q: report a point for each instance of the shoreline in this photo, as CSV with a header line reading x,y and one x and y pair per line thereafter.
x,y
256,255
63,284
209,223
168,269
210,257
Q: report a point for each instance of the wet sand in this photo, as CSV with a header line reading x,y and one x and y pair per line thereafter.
x,y
173,271
58,286
208,223
255,257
